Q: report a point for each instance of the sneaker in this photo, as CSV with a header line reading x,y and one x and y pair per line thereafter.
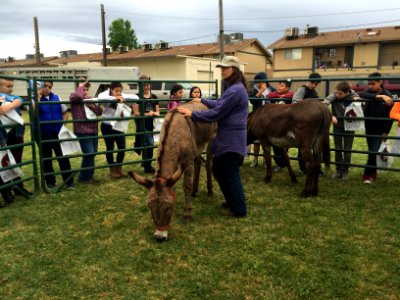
x,y
231,214
70,186
337,175
278,169
254,163
21,191
7,197
367,181
225,205
51,186
90,181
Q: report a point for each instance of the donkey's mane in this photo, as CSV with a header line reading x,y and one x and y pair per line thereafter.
x,y
167,124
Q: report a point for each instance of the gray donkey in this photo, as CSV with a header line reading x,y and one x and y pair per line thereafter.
x,y
181,143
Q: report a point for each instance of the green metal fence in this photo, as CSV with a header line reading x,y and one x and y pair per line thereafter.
x,y
33,157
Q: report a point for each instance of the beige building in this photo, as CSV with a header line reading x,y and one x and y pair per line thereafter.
x,y
185,62
160,62
349,53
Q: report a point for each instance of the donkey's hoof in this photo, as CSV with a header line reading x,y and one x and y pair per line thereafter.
x,y
267,179
187,219
210,193
305,194
294,180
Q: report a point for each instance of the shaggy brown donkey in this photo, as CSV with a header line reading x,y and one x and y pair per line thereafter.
x,y
304,125
181,143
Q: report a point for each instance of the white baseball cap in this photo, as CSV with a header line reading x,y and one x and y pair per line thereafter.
x,y
229,61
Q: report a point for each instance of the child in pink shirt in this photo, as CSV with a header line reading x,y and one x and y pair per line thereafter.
x,y
176,94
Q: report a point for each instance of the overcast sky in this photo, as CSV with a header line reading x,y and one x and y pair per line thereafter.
x,y
73,24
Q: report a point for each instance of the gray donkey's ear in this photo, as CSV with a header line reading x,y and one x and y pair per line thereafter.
x,y
147,183
174,178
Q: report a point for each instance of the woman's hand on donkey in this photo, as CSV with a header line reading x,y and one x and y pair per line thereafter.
x,y
184,111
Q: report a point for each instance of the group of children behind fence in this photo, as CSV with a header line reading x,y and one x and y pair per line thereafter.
x,y
376,103
85,128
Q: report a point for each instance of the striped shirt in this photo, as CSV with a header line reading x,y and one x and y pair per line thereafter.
x,y
78,113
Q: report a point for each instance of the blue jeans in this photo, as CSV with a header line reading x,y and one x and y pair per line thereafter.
x,y
342,158
373,146
106,129
63,161
147,154
88,146
226,170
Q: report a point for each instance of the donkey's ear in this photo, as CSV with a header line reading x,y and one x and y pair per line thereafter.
x,y
147,183
174,178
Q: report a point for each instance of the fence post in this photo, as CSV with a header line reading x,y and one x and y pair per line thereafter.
x,y
38,133
32,119
142,121
327,87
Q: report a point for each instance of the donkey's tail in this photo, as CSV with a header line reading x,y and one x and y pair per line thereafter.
x,y
326,152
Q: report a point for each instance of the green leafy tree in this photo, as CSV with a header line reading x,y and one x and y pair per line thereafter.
x,y
120,32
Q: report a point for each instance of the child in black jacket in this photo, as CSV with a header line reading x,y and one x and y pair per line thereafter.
x,y
378,106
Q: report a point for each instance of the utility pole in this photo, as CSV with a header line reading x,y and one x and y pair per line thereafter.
x,y
37,47
103,33
221,30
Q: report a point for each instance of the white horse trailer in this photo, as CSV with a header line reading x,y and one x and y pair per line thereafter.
x,y
64,89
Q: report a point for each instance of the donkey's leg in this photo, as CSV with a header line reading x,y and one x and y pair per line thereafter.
x,y
289,166
317,154
268,162
196,176
187,190
309,162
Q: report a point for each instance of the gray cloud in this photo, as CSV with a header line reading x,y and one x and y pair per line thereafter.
x,y
79,21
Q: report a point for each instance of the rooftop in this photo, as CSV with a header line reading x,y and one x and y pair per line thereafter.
x,y
381,34
182,50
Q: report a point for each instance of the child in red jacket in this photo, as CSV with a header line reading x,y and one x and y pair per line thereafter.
x,y
282,92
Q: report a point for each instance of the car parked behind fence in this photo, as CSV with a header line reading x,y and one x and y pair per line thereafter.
x,y
392,85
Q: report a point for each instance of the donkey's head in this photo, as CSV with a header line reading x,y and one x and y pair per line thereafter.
x,y
161,201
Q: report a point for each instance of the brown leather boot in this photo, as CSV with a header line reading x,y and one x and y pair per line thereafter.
x,y
119,171
114,172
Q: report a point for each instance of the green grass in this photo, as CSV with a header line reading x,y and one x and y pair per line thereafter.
x,y
97,242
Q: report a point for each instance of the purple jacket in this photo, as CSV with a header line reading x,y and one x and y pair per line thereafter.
x,y
231,111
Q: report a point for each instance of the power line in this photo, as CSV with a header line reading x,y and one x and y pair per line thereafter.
x,y
266,18
280,30
317,15
194,38
161,17
323,28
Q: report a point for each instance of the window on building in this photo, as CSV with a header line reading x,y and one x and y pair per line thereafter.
x,y
332,52
292,54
